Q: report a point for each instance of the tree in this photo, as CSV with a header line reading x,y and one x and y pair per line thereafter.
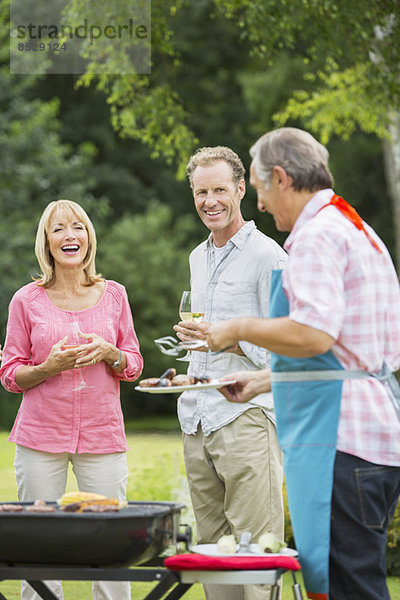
x,y
143,107
149,254
229,96
350,55
36,168
353,63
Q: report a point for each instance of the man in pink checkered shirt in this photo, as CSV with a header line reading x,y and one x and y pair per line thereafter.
x,y
344,298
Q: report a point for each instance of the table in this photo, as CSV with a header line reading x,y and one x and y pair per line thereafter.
x,y
175,583
36,575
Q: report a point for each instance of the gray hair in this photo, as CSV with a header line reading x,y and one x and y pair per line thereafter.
x,y
296,151
209,155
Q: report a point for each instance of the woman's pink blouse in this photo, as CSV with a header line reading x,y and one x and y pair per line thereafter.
x,y
52,417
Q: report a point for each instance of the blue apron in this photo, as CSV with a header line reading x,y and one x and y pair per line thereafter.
x,y
307,407
307,416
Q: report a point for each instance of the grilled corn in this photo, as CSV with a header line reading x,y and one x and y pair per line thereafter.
x,y
79,501
72,497
105,502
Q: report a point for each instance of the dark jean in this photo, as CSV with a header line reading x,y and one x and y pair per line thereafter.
x,y
365,496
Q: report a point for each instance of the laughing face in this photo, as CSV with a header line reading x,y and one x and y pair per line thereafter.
x,y
217,199
67,238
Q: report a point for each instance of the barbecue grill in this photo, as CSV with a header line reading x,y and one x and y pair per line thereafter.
x,y
35,546
133,535
103,546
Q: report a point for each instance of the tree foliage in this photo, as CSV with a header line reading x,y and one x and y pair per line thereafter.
x,y
338,104
351,55
58,141
223,72
353,47
36,168
143,107
149,254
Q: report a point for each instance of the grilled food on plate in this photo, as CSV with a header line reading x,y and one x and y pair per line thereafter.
x,y
227,544
170,378
270,543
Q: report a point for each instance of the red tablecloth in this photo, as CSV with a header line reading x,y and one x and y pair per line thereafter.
x,y
199,562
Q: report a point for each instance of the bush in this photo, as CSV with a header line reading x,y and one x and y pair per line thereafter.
x,y
149,254
393,551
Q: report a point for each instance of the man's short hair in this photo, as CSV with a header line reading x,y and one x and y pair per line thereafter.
x,y
296,151
209,155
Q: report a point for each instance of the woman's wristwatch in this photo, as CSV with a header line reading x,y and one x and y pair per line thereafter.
x,y
117,363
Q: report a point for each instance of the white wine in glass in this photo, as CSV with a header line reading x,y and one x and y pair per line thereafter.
x,y
191,308
194,317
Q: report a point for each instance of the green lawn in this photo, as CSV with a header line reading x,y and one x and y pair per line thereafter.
x,y
156,472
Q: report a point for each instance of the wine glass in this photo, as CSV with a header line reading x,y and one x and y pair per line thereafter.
x,y
191,308
75,341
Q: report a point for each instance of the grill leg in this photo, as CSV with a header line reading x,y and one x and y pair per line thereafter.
x,y
297,595
274,593
41,588
178,591
162,588
297,592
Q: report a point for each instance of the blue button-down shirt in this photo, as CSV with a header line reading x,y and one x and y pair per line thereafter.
x,y
235,284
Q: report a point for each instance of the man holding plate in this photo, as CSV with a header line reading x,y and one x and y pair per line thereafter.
x,y
232,458
334,337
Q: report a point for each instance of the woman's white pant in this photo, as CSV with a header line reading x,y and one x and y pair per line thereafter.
x,y
43,476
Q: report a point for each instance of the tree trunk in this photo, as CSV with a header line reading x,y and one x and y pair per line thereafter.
x,y
391,152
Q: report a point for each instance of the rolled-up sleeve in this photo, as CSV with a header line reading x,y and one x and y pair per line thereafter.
x,y
128,342
17,347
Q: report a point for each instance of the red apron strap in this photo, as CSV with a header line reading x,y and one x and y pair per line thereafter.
x,y
352,215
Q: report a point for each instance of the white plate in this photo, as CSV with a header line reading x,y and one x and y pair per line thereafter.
x,y
211,550
215,383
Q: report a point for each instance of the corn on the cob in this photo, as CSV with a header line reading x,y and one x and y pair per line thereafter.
x,y
72,497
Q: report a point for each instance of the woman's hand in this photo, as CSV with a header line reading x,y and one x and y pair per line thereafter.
x,y
248,384
97,349
58,360
62,358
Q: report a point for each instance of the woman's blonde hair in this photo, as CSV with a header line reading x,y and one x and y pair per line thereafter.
x,y
42,250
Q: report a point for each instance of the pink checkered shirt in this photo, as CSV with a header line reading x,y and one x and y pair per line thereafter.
x,y
338,283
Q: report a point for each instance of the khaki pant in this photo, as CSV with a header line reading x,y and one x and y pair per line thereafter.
x,y
235,479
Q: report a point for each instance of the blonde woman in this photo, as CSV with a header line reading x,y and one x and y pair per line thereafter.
x,y
60,421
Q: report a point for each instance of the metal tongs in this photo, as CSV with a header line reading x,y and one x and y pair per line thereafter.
x,y
170,345
173,347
